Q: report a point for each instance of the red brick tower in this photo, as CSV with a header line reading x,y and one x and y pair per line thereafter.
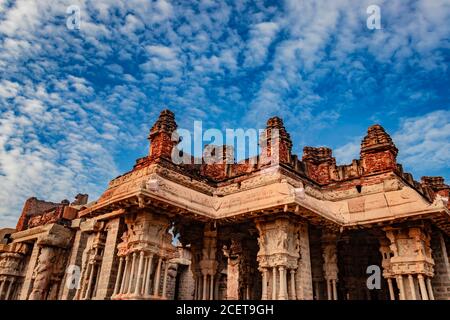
x,y
160,136
378,152
280,142
319,163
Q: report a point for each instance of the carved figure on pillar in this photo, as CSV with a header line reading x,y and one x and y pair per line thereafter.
x,y
278,254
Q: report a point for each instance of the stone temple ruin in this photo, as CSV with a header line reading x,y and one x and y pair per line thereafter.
x,y
299,229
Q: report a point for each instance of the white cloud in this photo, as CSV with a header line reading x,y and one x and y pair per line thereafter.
x,y
424,141
262,35
21,19
346,153
8,89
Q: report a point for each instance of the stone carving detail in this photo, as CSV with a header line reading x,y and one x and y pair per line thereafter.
x,y
242,276
50,264
91,264
278,243
330,267
12,258
330,258
144,257
208,263
43,273
407,260
48,273
278,256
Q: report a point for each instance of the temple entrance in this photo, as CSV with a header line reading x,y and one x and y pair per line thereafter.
x,y
224,264
240,266
357,251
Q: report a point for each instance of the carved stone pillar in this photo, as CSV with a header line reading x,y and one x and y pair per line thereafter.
x,y
110,260
148,275
330,267
2,287
386,264
124,276
423,288
234,256
9,291
157,278
28,279
205,286
12,258
145,245
430,289
274,283
408,256
335,296
166,269
43,273
51,260
119,276
137,289
329,290
279,251
293,286
401,287
208,263
303,273
69,292
132,273
191,233
283,295
264,283
412,287
391,289
91,262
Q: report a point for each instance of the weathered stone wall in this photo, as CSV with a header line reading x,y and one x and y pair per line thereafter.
x,y
28,282
304,275
32,207
171,281
79,244
110,261
316,263
441,279
186,283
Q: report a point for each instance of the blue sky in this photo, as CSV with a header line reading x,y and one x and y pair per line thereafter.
x,y
76,105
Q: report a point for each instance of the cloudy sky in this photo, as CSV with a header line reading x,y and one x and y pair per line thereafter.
x,y
76,105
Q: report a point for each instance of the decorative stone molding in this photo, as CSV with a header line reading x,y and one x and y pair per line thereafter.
x,y
12,260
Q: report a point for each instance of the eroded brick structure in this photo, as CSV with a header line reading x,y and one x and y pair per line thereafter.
x,y
289,229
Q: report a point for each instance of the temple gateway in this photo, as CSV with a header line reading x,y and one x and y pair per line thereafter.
x,y
296,229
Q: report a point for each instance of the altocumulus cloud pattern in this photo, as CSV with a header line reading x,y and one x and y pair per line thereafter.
x,y
74,103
